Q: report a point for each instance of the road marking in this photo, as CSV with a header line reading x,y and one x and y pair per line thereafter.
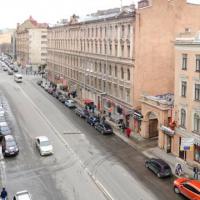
x,y
93,178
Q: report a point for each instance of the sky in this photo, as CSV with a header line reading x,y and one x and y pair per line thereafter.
x,y
51,11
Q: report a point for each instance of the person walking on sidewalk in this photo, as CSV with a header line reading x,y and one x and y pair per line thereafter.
x,y
196,171
4,194
128,132
178,169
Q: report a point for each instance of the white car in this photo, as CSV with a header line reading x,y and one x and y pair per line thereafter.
x,y
43,145
22,195
70,103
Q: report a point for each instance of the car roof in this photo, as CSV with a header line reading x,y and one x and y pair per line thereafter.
x,y
42,138
3,124
9,137
159,161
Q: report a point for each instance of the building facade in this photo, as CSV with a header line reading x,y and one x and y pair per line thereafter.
x,y
94,57
31,43
187,95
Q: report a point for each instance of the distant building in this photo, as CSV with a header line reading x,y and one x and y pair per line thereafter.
x,y
5,41
31,43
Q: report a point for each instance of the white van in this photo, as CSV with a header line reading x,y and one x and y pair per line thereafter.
x,y
18,78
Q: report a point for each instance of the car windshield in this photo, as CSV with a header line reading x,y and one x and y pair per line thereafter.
x,y
11,143
4,128
107,126
166,167
44,143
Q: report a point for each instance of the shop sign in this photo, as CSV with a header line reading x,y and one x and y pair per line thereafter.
x,y
167,130
186,144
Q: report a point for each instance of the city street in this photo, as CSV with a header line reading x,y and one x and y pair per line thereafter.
x,y
85,164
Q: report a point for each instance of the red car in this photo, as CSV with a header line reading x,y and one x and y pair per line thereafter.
x,y
188,187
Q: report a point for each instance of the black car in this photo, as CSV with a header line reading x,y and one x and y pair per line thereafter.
x,y
159,167
9,146
83,113
92,120
103,128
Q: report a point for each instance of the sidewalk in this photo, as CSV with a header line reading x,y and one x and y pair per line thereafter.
x,y
149,147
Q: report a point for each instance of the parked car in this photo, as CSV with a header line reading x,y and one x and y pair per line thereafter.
x,y
4,129
81,112
39,82
56,94
187,187
22,195
103,128
70,103
50,90
46,87
10,72
9,146
62,98
43,145
15,69
5,68
92,120
159,167
2,117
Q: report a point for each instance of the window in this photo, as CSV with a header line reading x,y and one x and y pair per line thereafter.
x,y
129,30
115,71
184,61
116,50
122,50
122,31
128,75
110,70
100,67
197,123
183,118
105,49
122,73
128,51
197,92
183,88
198,63
104,68
110,49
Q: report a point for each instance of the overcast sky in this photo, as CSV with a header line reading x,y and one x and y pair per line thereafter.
x,y
50,11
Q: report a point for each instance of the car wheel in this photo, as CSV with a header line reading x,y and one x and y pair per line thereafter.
x,y
146,165
176,190
158,175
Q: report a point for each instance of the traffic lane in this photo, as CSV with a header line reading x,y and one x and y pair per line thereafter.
x,y
60,173
94,150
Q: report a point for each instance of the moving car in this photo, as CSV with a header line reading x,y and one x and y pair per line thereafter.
x,y
103,128
4,129
70,103
9,146
92,120
82,112
18,78
188,187
159,167
43,145
22,195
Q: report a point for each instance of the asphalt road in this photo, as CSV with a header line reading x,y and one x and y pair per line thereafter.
x,y
86,165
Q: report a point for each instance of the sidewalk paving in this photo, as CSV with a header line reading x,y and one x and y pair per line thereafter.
x,y
149,147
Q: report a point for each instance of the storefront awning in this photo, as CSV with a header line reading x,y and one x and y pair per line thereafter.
x,y
167,130
88,101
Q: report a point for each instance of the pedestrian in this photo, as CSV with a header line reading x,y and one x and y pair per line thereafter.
x,y
128,132
178,169
196,171
103,119
4,194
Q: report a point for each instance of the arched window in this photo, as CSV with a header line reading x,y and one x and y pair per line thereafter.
x,y
183,117
122,73
128,75
197,122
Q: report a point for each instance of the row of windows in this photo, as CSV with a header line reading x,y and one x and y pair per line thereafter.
x,y
92,32
185,62
107,68
196,90
196,121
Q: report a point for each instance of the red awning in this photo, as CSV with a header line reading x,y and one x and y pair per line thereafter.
x,y
88,101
